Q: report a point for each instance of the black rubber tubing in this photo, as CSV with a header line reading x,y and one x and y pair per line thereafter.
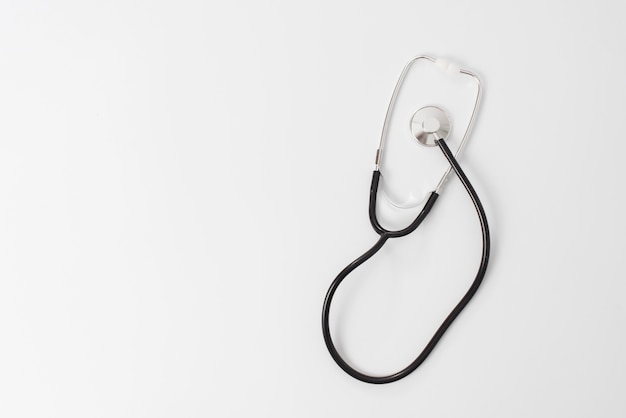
x,y
384,236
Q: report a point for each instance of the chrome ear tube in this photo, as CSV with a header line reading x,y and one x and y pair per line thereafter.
x,y
429,126
451,69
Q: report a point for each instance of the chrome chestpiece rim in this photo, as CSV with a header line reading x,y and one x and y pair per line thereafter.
x,y
429,124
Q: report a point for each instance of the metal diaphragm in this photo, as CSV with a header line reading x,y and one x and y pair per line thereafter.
x,y
429,124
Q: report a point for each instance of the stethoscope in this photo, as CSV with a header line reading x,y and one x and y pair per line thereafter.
x,y
430,126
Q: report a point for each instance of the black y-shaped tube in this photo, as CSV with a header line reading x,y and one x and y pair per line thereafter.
x,y
384,236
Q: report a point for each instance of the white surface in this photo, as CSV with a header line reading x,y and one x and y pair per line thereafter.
x,y
180,182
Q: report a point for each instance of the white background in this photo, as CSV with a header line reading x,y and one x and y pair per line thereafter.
x,y
181,181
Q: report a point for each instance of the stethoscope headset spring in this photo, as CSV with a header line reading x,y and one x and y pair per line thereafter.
x,y
430,126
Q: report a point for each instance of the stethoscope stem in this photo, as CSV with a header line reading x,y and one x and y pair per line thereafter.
x,y
384,236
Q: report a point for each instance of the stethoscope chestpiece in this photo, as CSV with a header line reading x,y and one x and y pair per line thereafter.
x,y
429,124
